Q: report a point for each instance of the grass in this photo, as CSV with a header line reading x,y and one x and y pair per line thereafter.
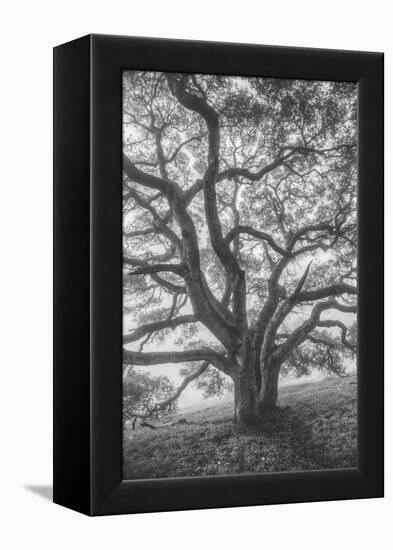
x,y
314,428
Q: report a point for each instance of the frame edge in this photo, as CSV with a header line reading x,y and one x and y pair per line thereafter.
x,y
71,274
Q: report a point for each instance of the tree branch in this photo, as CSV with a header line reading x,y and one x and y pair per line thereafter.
x,y
178,269
230,173
278,317
209,312
141,331
246,229
159,224
177,84
179,390
167,187
183,144
330,323
301,333
332,290
156,358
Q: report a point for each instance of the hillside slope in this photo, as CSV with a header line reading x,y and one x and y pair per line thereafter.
x,y
314,428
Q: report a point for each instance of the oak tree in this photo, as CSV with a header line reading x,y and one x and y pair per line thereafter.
x,y
240,229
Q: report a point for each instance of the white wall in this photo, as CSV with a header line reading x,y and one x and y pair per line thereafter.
x,y
28,32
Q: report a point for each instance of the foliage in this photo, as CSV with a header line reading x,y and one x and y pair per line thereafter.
x,y
240,229
212,382
143,395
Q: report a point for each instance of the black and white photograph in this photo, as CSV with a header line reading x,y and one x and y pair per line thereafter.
x,y
240,246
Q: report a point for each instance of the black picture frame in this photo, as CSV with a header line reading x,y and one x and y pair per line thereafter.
x,y
88,275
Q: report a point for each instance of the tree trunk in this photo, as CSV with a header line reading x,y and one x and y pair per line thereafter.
x,y
246,397
269,389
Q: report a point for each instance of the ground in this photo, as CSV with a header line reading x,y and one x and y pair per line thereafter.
x,y
314,428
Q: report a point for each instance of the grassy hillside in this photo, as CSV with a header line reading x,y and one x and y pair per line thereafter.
x,y
314,428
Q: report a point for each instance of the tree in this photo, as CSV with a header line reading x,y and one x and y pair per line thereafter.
x,y
240,231
145,396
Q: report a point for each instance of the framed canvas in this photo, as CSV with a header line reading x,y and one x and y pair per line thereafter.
x,y
218,275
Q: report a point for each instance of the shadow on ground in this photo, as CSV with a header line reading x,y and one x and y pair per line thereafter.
x,y
44,491
315,427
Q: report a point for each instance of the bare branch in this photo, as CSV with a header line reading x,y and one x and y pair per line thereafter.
x,y
301,282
